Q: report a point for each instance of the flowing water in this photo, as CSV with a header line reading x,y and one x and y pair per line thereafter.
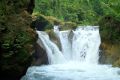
x,y
77,59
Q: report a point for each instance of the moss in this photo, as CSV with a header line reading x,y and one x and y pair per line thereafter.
x,y
68,25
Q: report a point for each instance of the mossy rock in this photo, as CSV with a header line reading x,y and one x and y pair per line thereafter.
x,y
110,35
68,26
16,39
41,23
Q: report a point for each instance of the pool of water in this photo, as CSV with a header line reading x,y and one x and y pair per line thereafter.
x,y
73,71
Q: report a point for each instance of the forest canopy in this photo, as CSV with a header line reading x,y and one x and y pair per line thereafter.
x,y
79,11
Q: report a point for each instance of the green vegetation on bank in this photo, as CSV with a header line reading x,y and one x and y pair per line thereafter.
x,y
105,13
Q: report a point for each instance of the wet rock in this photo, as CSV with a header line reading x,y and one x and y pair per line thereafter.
x,y
40,56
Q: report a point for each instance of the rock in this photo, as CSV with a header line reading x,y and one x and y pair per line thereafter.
x,y
41,23
16,39
70,37
111,54
40,56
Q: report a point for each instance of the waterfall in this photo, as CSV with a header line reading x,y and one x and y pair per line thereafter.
x,y
77,59
53,52
81,45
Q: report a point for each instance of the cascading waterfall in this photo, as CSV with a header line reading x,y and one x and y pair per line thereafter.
x,y
81,44
77,59
53,53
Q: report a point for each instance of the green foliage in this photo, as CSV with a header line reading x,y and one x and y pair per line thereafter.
x,y
85,12
110,29
79,11
75,11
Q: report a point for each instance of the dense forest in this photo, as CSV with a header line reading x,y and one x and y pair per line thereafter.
x,y
79,11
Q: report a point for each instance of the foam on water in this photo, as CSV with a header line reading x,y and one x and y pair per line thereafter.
x,y
73,71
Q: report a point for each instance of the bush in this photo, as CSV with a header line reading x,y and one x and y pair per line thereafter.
x,y
110,28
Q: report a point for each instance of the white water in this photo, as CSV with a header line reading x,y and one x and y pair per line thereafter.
x,y
78,59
